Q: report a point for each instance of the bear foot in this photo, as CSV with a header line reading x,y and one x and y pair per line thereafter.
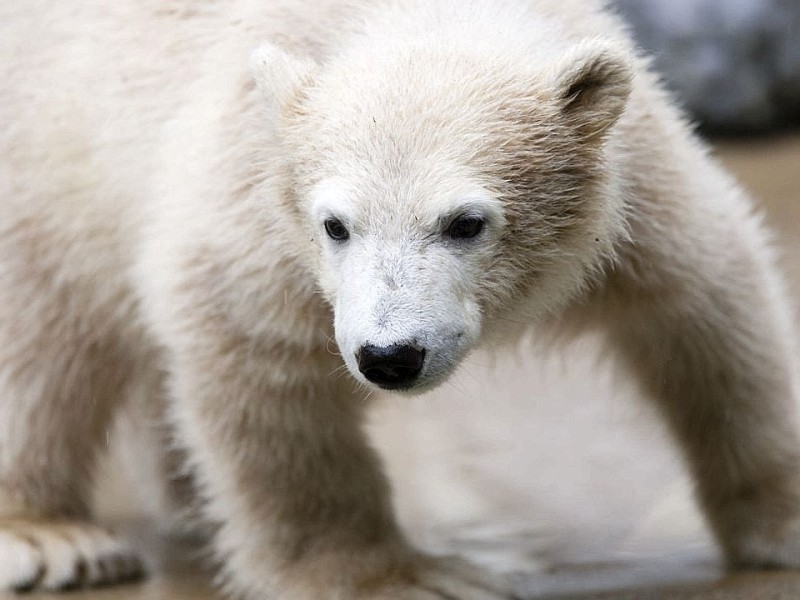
x,y
61,555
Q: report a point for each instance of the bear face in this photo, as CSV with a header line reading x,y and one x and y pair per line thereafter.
x,y
390,276
421,244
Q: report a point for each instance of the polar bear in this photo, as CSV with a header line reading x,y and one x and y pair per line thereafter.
x,y
253,214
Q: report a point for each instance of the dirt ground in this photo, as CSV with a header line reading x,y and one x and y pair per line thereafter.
x,y
549,467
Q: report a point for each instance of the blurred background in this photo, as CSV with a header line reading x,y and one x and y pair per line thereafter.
x,y
735,64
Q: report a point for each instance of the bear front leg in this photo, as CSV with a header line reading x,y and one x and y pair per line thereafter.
x,y
274,429
698,311
60,384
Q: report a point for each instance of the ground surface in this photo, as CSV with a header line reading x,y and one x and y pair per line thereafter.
x,y
550,468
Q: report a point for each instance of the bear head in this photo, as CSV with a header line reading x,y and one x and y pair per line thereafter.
x,y
449,194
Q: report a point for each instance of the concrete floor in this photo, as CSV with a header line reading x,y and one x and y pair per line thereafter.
x,y
552,469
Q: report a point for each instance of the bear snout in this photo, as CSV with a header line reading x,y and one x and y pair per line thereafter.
x,y
390,367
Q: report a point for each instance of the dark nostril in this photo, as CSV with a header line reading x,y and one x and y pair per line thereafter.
x,y
390,367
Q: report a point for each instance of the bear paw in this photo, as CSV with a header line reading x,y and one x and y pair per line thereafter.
x,y
61,555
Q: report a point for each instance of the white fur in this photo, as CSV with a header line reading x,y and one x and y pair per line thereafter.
x,y
161,237
398,280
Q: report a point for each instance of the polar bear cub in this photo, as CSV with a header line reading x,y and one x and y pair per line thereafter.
x,y
384,186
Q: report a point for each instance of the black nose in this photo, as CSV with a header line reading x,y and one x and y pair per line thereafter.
x,y
390,367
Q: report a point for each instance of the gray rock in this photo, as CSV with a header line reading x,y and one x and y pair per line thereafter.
x,y
735,64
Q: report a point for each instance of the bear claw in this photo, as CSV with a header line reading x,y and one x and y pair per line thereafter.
x,y
62,556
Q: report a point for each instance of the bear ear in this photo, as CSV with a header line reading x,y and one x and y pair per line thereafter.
x,y
279,76
593,83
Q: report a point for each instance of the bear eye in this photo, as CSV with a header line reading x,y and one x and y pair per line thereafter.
x,y
336,230
465,227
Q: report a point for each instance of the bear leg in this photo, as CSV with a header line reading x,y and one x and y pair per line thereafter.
x,y
697,309
58,386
